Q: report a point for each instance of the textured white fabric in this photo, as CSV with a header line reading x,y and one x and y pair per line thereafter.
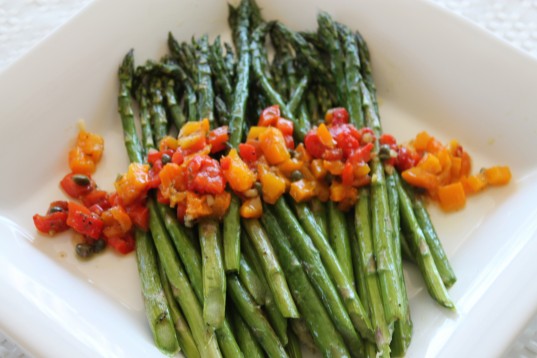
x,y
23,23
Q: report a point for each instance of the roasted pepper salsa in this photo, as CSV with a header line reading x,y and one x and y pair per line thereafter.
x,y
191,174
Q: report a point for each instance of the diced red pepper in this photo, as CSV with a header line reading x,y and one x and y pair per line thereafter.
x,y
337,115
406,159
218,138
269,116
83,221
51,223
76,190
178,157
313,144
124,244
139,214
205,175
96,197
285,126
362,154
387,139
247,152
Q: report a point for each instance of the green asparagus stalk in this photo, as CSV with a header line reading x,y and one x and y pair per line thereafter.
x,y
251,281
311,235
370,348
277,320
317,318
156,305
236,124
293,348
174,109
339,239
158,113
367,266
221,79
421,250
402,333
184,336
214,279
254,317
203,335
191,258
439,255
316,271
271,268
246,339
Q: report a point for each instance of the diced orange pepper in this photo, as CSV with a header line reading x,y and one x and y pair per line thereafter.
x,y
325,137
302,190
418,177
87,152
302,154
237,173
434,146
197,206
254,132
456,163
452,196
221,204
334,167
290,165
337,191
473,183
430,164
421,141
171,179
251,208
322,191
497,175
361,169
134,184
273,146
317,168
116,222
273,186
466,164
168,142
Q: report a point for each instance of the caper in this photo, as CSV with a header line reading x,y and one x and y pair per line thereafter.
x,y
296,175
258,186
328,178
384,152
166,159
55,209
84,250
81,179
99,245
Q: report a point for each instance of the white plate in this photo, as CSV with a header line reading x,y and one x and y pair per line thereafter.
x,y
434,71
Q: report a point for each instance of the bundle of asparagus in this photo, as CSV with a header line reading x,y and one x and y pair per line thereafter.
x,y
306,271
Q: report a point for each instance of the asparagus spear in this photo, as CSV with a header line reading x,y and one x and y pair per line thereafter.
x,y
214,280
316,271
311,235
421,250
251,281
368,267
246,339
236,123
317,318
203,335
440,258
277,320
184,336
255,319
156,305
191,258
339,239
293,348
271,268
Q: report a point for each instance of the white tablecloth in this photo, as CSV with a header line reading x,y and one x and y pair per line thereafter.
x,y
23,23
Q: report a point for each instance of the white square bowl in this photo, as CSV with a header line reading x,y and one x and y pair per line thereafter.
x,y
434,71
